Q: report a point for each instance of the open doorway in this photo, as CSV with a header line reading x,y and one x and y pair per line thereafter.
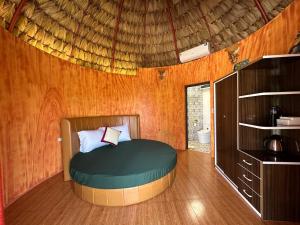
x,y
198,117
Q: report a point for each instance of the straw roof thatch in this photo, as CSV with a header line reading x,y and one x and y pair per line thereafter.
x,y
120,35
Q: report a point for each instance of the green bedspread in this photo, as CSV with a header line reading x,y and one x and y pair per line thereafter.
x,y
130,164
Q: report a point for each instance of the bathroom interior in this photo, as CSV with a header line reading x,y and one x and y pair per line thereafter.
x,y
198,117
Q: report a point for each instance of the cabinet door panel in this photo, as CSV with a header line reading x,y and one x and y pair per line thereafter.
x,y
231,127
281,192
226,121
219,120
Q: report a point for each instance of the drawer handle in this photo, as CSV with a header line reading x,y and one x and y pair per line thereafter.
x,y
250,196
246,178
249,164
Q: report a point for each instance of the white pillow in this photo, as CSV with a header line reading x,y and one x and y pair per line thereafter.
x,y
91,139
125,136
111,136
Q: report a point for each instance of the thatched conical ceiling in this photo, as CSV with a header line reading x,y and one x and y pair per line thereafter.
x,y
120,35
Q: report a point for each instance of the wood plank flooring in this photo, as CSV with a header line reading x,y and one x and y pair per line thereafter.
x,y
199,195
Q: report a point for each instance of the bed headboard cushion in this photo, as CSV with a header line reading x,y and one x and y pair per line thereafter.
x,y
70,127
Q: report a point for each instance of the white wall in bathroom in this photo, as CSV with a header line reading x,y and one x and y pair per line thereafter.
x,y
198,109
195,111
206,108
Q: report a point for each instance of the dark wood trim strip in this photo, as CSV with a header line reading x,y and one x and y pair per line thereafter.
x,y
202,16
262,11
16,15
173,29
116,34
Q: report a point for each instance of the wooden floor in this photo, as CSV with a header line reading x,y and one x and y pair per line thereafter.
x,y
199,195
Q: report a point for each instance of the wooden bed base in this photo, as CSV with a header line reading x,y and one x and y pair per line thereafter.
x,y
125,196
107,197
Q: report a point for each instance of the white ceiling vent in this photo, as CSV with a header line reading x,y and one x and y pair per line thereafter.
x,y
195,53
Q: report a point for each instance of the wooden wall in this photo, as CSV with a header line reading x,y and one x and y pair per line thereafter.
x,y
37,90
1,204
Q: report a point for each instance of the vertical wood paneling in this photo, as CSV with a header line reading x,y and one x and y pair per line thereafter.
x,y
1,201
37,90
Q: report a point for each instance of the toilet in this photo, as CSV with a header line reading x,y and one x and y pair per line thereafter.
x,y
204,136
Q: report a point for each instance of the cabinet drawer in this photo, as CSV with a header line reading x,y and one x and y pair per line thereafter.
x,y
249,163
249,194
248,178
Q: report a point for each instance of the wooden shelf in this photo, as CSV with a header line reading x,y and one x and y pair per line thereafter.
x,y
271,94
270,128
280,56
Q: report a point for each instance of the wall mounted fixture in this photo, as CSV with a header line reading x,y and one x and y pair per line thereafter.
x,y
233,53
162,73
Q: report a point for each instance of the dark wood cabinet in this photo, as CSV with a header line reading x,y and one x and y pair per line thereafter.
x,y
226,121
269,182
281,192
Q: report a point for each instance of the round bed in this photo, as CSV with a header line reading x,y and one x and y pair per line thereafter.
x,y
132,172
129,164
